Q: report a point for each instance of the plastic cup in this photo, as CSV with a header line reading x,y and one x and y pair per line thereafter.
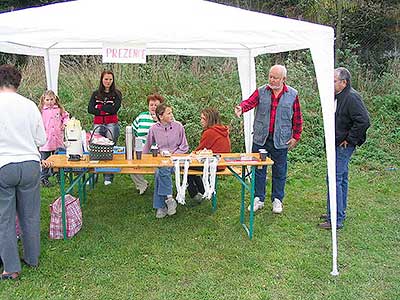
x,y
154,151
138,148
138,144
263,154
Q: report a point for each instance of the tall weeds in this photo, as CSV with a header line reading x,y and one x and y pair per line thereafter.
x,y
191,84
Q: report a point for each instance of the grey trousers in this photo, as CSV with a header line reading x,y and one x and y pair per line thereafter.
x,y
139,180
20,193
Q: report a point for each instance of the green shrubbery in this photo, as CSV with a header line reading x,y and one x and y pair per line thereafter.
x,y
191,84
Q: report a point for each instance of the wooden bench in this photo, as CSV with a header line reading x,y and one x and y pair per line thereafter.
x,y
151,171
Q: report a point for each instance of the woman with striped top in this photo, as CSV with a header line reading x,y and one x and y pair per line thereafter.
x,y
141,126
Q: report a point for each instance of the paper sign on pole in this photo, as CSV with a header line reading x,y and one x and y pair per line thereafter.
x,y
124,53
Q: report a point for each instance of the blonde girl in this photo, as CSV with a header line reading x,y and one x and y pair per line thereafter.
x,y
54,118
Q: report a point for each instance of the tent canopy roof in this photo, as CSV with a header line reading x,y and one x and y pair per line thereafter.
x,y
187,27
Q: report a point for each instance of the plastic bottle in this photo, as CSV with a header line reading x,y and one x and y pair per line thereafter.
x,y
128,143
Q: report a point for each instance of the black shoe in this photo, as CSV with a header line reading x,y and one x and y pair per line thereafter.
x,y
328,225
324,217
46,183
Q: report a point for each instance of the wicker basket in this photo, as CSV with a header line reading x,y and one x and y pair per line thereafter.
x,y
100,152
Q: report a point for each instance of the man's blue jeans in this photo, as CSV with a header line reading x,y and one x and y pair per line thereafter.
x,y
162,186
279,171
343,156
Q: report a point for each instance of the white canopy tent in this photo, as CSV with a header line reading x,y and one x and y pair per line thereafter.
x,y
177,27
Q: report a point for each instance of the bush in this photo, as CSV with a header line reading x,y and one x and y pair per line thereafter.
x,y
191,84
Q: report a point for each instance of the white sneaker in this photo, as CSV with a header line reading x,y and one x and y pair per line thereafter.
x,y
257,204
277,206
171,206
107,182
142,188
161,212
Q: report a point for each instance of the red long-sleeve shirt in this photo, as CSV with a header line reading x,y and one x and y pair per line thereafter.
x,y
297,121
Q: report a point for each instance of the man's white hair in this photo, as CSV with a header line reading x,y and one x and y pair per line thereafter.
x,y
282,69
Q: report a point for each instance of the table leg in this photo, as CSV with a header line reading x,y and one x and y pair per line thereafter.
x,y
63,215
242,205
81,184
250,188
83,202
251,218
92,179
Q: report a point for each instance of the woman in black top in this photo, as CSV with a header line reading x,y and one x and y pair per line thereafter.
x,y
104,105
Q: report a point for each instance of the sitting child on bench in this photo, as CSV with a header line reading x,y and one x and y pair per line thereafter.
x,y
170,136
215,137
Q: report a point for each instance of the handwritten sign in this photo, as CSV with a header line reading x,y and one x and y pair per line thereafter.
x,y
119,53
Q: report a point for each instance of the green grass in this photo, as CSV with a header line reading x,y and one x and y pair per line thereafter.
x,y
124,252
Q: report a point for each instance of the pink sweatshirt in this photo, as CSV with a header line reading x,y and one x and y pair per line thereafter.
x,y
170,137
53,122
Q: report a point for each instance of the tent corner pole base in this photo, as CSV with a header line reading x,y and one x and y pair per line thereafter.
x,y
335,273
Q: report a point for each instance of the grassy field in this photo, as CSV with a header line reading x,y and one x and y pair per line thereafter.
x,y
123,252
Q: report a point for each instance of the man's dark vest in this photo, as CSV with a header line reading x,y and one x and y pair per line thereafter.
x,y
283,119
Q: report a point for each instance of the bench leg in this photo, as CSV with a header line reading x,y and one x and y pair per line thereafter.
x,y
214,197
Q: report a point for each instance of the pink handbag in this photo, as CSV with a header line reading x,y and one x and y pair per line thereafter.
x,y
73,217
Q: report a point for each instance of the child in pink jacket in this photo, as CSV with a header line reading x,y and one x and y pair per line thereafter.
x,y
54,118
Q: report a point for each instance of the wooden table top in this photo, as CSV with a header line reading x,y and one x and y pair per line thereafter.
x,y
148,161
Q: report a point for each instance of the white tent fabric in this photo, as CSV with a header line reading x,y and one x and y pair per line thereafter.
x,y
177,27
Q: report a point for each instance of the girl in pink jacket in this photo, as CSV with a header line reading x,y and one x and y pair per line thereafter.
x,y
54,118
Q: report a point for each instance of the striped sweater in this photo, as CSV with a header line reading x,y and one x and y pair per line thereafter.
x,y
142,124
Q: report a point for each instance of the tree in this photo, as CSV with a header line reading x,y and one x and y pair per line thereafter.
x,y
10,5
370,29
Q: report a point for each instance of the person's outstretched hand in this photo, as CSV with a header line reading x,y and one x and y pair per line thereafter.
x,y
238,111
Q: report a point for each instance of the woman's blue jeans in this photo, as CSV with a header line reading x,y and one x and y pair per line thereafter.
x,y
343,156
162,186
104,130
279,171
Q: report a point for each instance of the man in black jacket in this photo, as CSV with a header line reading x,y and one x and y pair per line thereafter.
x,y
351,124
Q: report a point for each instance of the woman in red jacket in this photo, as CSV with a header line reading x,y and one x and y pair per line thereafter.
x,y
215,137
